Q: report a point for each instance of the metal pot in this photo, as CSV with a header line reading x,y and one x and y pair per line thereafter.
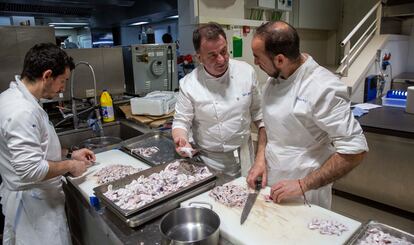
x,y
191,225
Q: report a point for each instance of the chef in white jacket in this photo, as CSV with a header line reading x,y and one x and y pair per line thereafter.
x,y
312,136
217,103
31,163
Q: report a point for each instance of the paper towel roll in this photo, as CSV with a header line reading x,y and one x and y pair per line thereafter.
x,y
410,100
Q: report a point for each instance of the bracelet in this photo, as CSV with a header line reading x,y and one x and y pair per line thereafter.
x,y
305,201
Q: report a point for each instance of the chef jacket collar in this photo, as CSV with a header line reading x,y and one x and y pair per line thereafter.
x,y
222,78
20,86
292,78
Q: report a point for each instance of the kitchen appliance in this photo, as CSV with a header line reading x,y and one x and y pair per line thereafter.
x,y
150,67
156,103
251,199
191,225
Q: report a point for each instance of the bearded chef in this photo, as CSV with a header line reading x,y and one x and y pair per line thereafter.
x,y
31,163
312,136
216,105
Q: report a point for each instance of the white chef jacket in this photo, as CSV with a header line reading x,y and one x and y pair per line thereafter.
x,y
33,209
218,111
307,119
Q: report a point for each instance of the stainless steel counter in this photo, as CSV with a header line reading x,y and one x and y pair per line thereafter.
x,y
386,173
90,226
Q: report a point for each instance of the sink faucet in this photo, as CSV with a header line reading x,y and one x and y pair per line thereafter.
x,y
72,96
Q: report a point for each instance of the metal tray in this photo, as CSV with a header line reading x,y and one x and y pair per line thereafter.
x,y
361,233
128,179
161,140
164,207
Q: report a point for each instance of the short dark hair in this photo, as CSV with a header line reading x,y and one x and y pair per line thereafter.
x,y
279,38
167,38
45,56
209,31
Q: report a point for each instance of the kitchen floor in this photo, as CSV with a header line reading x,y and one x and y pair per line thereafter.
x,y
364,213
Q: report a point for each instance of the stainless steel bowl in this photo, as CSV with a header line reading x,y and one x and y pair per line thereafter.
x,y
99,142
190,225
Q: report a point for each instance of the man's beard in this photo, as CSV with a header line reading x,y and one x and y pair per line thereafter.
x,y
276,73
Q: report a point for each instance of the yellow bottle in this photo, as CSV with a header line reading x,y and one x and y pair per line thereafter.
x,y
107,107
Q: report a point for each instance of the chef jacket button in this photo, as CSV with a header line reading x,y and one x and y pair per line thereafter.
x,y
237,98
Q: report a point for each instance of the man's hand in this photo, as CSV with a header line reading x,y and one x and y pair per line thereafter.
x,y
285,189
181,142
77,168
258,169
84,155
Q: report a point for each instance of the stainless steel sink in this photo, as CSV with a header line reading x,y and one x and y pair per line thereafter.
x,y
121,129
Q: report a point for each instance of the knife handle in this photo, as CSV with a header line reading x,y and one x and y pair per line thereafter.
x,y
258,183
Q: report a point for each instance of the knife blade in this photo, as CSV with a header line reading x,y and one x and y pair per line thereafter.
x,y
251,199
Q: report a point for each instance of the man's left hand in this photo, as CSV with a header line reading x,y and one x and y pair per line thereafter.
x,y
85,155
285,189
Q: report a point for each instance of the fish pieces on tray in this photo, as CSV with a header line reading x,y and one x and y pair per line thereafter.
x,y
115,172
145,151
144,190
377,236
230,195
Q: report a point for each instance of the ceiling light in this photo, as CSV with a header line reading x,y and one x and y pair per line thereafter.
x,y
139,23
69,24
173,17
64,27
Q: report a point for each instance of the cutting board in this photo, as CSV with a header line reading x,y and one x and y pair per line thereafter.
x,y
87,181
270,223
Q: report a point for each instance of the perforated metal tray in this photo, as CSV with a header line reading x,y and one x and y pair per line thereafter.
x,y
161,140
362,232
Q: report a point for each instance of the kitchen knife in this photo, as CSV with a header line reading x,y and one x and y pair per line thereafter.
x,y
251,198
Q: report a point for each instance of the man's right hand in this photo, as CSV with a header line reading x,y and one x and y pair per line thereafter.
x,y
258,169
78,167
181,142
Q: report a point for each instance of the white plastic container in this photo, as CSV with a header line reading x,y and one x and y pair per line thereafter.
x,y
156,103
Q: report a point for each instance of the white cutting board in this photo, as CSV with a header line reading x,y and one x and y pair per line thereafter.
x,y
270,223
87,181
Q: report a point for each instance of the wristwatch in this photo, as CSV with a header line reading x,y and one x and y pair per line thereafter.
x,y
69,154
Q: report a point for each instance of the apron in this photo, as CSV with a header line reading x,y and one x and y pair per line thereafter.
x,y
291,151
36,215
234,163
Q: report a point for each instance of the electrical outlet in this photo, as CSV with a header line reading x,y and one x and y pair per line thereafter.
x,y
90,93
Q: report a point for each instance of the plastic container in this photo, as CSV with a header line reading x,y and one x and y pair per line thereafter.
x,y
107,107
394,102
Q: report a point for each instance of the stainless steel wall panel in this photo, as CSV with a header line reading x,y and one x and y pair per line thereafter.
x,y
386,173
114,79
15,41
8,40
108,66
28,36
